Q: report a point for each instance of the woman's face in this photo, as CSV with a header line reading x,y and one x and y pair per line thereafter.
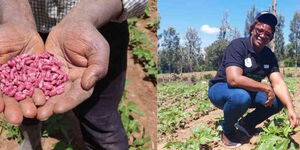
x,y
261,36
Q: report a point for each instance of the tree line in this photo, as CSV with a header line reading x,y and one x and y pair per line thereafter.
x,y
190,56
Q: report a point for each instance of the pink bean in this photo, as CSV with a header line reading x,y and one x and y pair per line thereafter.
x,y
11,63
20,96
12,92
19,76
59,91
47,86
52,92
21,87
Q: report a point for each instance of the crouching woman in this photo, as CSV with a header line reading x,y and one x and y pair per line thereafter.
x,y
237,85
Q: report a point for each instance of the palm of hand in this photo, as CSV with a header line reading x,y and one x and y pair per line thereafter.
x,y
15,40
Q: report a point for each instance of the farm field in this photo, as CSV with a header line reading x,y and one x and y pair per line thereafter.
x,y
187,119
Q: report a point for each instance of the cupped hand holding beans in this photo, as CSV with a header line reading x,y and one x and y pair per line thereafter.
x,y
16,39
84,54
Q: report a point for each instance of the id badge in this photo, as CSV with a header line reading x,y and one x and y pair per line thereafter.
x,y
248,62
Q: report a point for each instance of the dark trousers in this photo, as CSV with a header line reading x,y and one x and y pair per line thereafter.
x,y
98,116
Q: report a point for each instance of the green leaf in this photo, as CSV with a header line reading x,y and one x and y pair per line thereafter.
x,y
132,107
140,142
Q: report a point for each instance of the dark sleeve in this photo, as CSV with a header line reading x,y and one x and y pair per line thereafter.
x,y
274,62
235,54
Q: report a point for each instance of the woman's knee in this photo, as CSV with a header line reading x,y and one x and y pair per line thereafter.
x,y
240,97
277,105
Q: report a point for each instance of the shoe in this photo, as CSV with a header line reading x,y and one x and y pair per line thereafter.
x,y
230,140
246,130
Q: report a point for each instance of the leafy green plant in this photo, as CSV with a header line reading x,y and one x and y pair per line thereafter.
x,y
292,83
147,13
131,125
61,145
153,25
13,132
138,41
179,103
201,136
145,57
276,134
137,38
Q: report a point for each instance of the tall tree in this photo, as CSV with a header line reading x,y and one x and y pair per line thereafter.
x,y
294,36
227,32
163,64
214,54
279,39
289,51
225,27
192,49
233,34
170,43
250,18
273,9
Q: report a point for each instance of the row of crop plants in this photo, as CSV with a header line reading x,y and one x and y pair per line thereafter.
x,y
275,135
179,103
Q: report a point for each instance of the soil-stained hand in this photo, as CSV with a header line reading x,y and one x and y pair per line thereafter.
x,y
84,55
16,39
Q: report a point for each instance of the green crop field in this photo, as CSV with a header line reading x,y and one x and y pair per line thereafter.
x,y
184,101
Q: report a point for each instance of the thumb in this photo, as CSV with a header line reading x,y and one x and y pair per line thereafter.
x,y
293,123
92,74
1,103
98,60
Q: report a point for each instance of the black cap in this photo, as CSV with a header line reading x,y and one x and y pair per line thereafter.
x,y
267,18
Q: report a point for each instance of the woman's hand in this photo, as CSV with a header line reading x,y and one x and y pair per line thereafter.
x,y
270,96
293,118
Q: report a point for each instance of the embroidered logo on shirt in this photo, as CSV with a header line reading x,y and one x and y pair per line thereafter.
x,y
266,66
248,62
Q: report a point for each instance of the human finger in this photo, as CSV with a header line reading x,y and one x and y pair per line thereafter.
x,y
293,121
91,75
38,97
73,97
28,108
98,59
1,102
12,112
268,103
45,111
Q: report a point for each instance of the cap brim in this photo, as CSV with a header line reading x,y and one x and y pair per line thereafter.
x,y
267,18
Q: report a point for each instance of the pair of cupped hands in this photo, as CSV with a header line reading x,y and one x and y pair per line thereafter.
x,y
81,50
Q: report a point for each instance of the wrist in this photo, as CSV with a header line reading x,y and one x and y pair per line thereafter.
x,y
266,88
290,107
95,12
16,12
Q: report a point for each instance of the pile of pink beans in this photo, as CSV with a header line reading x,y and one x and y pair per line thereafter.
x,y
21,75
